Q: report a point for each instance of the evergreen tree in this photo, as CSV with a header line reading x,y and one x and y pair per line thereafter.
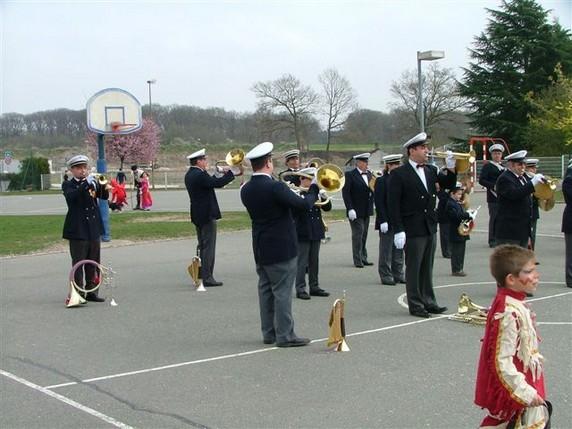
x,y
515,55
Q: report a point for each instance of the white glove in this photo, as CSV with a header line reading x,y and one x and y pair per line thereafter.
x,y
219,169
352,214
471,214
450,160
384,227
537,178
399,240
323,194
90,180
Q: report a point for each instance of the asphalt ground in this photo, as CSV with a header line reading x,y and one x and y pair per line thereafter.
x,y
170,357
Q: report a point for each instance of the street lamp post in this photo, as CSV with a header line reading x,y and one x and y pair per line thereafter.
x,y
150,82
424,56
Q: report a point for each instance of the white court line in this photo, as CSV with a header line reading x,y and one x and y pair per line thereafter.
x,y
66,400
554,323
267,349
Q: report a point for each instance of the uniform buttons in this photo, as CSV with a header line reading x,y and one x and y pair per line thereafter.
x,y
425,210
422,197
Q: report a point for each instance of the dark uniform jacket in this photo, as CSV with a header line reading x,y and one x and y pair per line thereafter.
x,y
83,219
412,207
200,186
455,214
381,200
357,194
270,203
567,193
443,196
488,179
535,207
514,207
309,224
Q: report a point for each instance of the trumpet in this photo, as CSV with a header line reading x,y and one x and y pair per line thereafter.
x,y
232,159
463,160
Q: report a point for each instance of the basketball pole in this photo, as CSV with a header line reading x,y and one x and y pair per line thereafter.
x,y
103,204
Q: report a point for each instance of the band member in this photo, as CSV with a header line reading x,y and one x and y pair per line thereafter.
x,y
311,231
457,243
390,265
443,221
567,222
292,161
488,178
412,213
136,185
514,190
205,210
530,167
358,199
270,203
83,226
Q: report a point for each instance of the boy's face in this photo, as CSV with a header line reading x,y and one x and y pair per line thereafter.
x,y
457,195
79,171
293,162
526,280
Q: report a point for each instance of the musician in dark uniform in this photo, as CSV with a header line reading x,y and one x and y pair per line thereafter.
x,y
530,167
270,204
292,161
358,199
412,213
567,223
205,210
390,265
456,214
514,190
311,231
489,174
83,226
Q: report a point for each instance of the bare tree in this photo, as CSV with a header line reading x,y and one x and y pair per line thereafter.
x,y
287,94
338,101
440,94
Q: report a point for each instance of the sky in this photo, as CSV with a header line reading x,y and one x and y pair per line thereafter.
x,y
57,54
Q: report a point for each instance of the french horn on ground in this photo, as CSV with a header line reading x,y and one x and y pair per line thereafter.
x,y
76,295
469,312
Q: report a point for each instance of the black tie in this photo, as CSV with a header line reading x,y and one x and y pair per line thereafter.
x,y
420,165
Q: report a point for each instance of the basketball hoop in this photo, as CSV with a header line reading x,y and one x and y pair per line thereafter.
x,y
118,127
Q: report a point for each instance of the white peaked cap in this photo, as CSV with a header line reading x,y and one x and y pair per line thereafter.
x,y
197,154
260,150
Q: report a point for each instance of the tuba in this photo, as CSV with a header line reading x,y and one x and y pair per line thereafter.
x,y
233,158
76,295
469,312
463,160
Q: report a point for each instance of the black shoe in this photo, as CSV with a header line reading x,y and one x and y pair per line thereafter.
x,y
447,256
420,313
302,295
389,282
367,263
459,274
295,342
435,309
319,292
402,281
358,265
94,298
529,294
269,341
212,283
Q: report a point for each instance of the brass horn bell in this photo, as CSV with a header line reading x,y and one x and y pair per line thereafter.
x,y
469,312
463,160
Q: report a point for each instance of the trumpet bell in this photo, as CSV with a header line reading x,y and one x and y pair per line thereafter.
x,y
547,205
74,299
545,190
234,157
469,312
330,177
315,163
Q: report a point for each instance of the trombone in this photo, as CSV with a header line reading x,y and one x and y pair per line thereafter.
x,y
463,160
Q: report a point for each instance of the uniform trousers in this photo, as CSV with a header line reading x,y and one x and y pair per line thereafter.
x,y
308,259
444,240
359,228
275,284
390,263
206,236
533,234
457,255
568,244
493,210
521,243
85,249
419,258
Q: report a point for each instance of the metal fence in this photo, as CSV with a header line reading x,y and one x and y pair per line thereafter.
x,y
554,166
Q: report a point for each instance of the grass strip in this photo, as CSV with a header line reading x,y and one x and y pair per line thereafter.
x,y
28,234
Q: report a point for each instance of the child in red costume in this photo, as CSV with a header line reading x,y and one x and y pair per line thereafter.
x,y
118,196
510,379
146,200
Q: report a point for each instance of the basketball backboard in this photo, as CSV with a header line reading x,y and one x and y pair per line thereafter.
x,y
113,111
